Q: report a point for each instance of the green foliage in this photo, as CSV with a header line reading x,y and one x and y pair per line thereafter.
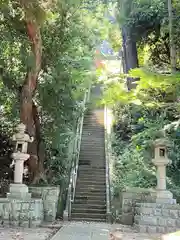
x,y
148,22
141,116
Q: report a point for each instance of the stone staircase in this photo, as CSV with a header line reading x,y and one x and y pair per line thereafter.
x,y
90,196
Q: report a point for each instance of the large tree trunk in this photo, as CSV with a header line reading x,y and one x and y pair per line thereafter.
x,y
171,38
37,167
28,111
130,55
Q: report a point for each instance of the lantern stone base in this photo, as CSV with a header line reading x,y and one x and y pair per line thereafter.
x,y
19,191
165,196
21,213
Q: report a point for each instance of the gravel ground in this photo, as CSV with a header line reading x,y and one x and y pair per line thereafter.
x,y
26,234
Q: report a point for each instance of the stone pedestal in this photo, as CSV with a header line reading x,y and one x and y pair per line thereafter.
x,y
162,194
19,191
19,159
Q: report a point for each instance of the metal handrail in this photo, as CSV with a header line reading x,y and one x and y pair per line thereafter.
x,y
108,157
75,146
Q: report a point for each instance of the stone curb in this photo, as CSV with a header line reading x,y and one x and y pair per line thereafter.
x,y
56,235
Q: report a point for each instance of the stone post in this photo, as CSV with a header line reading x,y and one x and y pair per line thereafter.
x,y
18,189
161,161
19,159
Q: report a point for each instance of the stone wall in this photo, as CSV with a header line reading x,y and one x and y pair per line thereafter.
x,y
27,213
157,218
50,197
128,199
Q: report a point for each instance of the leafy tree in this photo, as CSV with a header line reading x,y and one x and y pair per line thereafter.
x,y
147,21
46,50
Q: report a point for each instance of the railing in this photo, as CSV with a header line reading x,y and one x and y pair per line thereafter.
x,y
75,151
108,154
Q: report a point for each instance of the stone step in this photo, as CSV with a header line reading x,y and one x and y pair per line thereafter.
x,y
93,125
86,196
96,149
91,190
84,163
92,151
95,143
101,206
89,173
88,210
90,185
91,193
88,129
86,176
90,201
94,117
93,158
92,155
91,182
94,121
86,219
94,134
90,126
97,184
90,163
92,139
92,216
92,169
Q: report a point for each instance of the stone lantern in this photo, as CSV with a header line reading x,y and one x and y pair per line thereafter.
x,y
18,189
161,161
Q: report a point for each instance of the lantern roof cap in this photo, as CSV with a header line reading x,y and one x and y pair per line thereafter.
x,y
161,142
21,128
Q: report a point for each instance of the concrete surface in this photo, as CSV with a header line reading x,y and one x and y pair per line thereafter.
x,y
97,231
